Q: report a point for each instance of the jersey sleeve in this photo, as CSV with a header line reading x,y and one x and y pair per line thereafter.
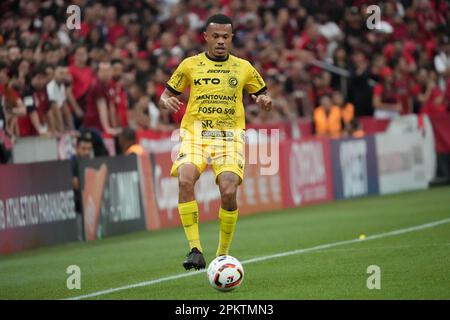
x,y
255,83
179,79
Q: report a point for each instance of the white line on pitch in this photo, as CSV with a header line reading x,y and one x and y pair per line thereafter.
x,y
272,256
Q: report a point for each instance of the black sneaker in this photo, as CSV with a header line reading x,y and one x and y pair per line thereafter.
x,y
194,260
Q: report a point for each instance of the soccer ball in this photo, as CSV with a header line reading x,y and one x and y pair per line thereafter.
x,y
225,273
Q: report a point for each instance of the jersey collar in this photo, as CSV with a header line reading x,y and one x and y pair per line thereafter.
x,y
216,59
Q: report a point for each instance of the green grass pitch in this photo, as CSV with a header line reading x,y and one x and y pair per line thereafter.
x,y
414,265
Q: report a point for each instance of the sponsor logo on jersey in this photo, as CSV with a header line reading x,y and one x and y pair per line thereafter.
x,y
210,109
258,78
226,123
218,71
199,82
207,124
233,82
218,97
177,78
217,134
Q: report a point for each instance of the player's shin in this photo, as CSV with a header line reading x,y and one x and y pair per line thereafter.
x,y
228,221
189,218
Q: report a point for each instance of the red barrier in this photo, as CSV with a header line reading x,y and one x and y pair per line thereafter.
x,y
260,192
153,134
306,128
306,172
155,141
441,129
371,125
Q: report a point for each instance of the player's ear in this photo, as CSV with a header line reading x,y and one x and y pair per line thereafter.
x,y
205,35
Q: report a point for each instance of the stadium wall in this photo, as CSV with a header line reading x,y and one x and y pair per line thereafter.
x,y
111,196
128,193
36,206
355,171
306,172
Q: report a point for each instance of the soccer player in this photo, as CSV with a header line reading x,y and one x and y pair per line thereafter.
x,y
212,129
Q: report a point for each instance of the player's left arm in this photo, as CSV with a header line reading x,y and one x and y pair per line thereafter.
x,y
263,100
256,86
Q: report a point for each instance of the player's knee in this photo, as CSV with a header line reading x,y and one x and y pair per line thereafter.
x,y
228,184
229,192
186,185
228,197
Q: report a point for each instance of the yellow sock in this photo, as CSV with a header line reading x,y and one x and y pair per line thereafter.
x,y
189,218
228,221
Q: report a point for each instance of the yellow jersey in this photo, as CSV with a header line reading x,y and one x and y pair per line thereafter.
x,y
216,88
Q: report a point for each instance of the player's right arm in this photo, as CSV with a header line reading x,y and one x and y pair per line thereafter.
x,y
169,101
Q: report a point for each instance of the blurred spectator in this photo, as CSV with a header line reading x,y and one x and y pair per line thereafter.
x,y
84,150
119,94
327,118
100,107
296,86
386,100
437,104
320,87
11,105
340,61
311,44
82,77
350,125
402,83
359,87
442,61
40,120
283,106
425,82
434,99
291,41
57,96
128,142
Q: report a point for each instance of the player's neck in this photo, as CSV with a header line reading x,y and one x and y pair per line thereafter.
x,y
212,57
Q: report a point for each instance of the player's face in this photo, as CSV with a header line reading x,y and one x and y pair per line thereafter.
x,y
218,38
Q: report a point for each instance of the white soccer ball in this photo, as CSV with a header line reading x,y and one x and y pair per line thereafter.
x,y
225,273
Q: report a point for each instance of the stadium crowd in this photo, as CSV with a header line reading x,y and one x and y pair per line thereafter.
x,y
319,58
